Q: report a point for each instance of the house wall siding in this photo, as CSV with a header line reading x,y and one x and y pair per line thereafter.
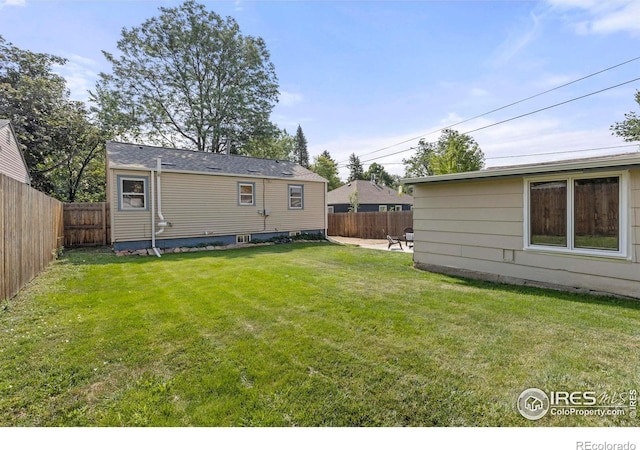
x,y
128,225
478,226
207,205
11,162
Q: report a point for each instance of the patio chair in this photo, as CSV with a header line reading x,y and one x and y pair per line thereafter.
x,y
408,237
393,241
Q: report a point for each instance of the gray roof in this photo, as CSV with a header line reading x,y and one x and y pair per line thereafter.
x,y
4,123
144,157
368,193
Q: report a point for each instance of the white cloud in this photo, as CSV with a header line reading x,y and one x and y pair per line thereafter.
x,y
548,81
81,75
524,141
518,40
478,92
604,17
290,98
4,3
541,140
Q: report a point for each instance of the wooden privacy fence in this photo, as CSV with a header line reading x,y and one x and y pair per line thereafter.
x,y
369,225
86,224
30,234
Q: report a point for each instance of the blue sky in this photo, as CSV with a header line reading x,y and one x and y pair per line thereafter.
x,y
360,76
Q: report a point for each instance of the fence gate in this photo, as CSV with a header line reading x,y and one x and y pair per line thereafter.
x,y
86,224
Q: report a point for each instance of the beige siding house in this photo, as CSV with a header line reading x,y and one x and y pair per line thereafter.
x,y
371,198
12,161
170,197
572,224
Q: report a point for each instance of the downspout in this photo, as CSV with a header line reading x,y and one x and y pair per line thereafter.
x,y
326,211
153,216
162,223
264,205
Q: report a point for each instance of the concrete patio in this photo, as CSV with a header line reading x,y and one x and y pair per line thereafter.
x,y
375,244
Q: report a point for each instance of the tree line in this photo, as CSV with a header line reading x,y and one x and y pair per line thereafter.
x,y
186,78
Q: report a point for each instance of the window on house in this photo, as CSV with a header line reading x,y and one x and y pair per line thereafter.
x,y
382,208
398,208
246,194
243,238
577,214
133,193
330,209
296,193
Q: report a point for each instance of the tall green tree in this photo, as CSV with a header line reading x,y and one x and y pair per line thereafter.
x,y
277,145
32,97
188,78
57,136
452,153
378,173
629,128
301,152
81,147
356,171
325,166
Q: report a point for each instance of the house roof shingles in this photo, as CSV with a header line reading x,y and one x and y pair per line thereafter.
x,y
144,157
368,193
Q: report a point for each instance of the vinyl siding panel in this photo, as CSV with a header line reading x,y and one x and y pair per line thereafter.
x,y
199,205
478,226
11,162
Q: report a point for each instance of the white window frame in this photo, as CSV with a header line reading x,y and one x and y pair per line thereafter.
x,y
121,193
382,208
240,194
243,238
398,208
624,252
330,209
301,187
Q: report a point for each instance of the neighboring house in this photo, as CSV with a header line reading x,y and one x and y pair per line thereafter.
x,y
371,197
573,224
163,198
12,161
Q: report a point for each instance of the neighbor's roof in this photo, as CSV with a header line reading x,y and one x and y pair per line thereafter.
x,y
4,123
145,157
368,193
626,160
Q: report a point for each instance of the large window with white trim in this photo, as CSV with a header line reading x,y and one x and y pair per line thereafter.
x,y
246,194
584,214
296,196
132,193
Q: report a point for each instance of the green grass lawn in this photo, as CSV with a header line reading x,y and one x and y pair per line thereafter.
x,y
298,334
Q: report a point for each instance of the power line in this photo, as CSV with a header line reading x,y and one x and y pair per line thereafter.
x,y
503,107
564,151
518,117
552,106
529,155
